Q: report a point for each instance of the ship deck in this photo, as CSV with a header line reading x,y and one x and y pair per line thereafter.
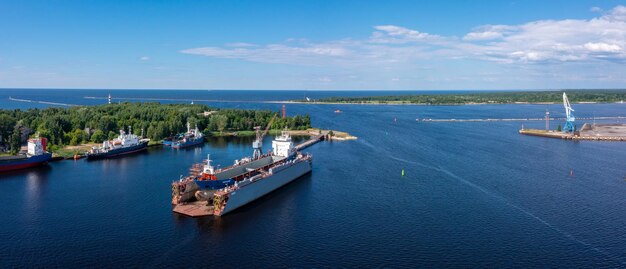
x,y
194,209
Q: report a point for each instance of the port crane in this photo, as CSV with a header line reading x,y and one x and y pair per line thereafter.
x,y
258,143
569,117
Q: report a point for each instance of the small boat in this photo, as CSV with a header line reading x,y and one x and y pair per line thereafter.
x,y
338,111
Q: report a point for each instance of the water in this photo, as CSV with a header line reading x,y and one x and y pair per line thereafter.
x,y
473,195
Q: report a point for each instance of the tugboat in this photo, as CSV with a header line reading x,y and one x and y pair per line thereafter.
x,y
190,138
122,145
35,156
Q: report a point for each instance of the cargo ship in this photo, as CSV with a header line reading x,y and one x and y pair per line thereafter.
x,y
248,179
35,156
188,139
122,145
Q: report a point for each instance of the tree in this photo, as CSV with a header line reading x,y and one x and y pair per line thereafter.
x,y
220,121
558,128
7,124
112,135
16,140
98,136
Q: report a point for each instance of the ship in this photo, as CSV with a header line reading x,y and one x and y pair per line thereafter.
x,y
248,179
35,156
122,145
188,139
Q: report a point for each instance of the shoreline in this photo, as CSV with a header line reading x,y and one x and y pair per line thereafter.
x,y
403,103
78,151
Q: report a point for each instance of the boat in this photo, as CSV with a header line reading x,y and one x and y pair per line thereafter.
x,y
190,138
36,155
122,145
338,111
248,179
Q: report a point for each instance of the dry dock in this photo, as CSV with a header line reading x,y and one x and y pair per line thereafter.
x,y
203,208
598,132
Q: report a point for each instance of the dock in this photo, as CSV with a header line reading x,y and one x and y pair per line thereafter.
x,y
314,139
599,132
194,209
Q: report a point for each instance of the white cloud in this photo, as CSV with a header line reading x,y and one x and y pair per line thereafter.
x,y
482,36
144,58
602,47
616,14
545,41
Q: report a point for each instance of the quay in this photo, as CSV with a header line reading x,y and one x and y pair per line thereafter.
x,y
519,119
598,132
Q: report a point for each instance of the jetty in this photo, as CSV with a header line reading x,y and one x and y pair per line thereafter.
x,y
597,132
314,139
520,119
40,102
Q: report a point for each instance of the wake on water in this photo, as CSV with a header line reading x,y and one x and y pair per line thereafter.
x,y
497,197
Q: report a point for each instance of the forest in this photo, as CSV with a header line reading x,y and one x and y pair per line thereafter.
x,y
502,97
77,125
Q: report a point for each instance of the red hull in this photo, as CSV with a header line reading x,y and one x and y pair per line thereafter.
x,y
19,166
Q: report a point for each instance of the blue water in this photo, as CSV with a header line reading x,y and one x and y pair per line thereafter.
x,y
473,195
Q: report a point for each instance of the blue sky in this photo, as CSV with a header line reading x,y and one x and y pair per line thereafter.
x,y
350,45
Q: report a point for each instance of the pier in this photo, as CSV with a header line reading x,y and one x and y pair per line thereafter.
x,y
519,119
599,132
314,139
40,102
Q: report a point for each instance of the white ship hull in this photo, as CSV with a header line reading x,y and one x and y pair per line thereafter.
x,y
248,193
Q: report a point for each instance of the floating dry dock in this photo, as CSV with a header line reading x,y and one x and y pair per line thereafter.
x,y
216,207
598,132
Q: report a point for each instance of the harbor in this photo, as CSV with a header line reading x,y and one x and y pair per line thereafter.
x,y
125,201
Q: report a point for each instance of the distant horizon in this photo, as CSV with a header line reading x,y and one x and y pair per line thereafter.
x,y
324,90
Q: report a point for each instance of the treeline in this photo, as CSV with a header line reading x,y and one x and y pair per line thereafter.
x,y
76,125
600,96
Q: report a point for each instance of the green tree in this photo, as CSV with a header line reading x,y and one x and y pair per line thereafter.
x,y
112,135
98,136
558,128
220,122
7,124
16,140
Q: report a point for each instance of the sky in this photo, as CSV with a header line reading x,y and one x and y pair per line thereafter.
x,y
313,45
